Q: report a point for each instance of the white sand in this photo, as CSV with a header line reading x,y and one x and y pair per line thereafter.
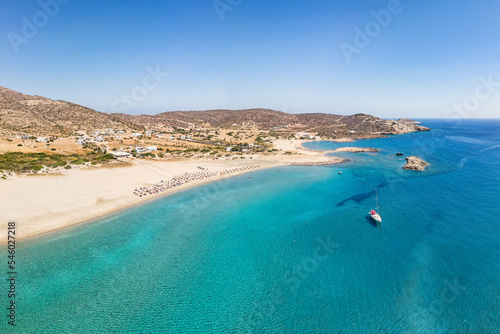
x,y
46,203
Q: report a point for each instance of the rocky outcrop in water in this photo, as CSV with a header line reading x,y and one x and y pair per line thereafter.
x,y
415,163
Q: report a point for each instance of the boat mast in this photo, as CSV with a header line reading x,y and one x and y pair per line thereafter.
x,y
376,198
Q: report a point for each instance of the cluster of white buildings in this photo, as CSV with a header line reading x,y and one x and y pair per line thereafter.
x,y
137,149
146,149
98,136
304,135
84,140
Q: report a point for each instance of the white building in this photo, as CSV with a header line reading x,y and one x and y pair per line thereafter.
x,y
137,134
99,139
84,140
42,139
140,150
151,148
120,154
229,149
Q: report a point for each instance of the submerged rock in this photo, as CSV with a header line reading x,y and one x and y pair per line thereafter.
x,y
415,163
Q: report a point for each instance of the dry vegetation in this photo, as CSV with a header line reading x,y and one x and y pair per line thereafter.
x,y
176,135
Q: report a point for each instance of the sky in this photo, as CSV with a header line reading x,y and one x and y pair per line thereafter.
x,y
407,58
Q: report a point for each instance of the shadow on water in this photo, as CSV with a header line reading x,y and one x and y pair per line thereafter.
x,y
358,198
371,221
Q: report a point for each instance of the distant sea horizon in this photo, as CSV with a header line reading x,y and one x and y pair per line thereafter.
x,y
291,249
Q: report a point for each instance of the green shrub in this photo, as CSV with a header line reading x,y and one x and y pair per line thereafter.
x,y
59,163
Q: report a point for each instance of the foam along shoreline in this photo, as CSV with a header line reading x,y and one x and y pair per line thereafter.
x,y
356,149
42,204
332,161
297,146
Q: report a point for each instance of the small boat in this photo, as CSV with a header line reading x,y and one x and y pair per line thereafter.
x,y
375,214
340,173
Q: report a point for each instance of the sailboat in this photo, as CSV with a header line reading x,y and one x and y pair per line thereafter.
x,y
375,214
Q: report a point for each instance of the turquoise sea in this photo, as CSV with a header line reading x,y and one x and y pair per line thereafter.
x,y
290,250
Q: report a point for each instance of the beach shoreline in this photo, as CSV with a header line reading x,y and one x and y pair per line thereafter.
x,y
145,200
41,205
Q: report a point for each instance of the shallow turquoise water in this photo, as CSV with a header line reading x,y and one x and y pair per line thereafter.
x,y
290,250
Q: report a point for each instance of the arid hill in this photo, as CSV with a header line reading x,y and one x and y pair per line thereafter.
x,y
36,115
328,125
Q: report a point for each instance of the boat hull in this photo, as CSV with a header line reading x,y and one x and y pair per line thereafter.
x,y
376,217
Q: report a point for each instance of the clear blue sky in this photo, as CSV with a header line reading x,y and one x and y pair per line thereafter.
x,y
284,55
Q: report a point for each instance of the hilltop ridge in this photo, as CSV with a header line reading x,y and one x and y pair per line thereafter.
x,y
38,115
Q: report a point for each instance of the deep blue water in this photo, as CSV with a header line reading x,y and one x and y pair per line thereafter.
x,y
290,250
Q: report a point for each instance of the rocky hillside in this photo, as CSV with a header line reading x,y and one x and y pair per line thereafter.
x,y
328,125
38,115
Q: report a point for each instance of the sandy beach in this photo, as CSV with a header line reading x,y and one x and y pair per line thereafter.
x,y
40,204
